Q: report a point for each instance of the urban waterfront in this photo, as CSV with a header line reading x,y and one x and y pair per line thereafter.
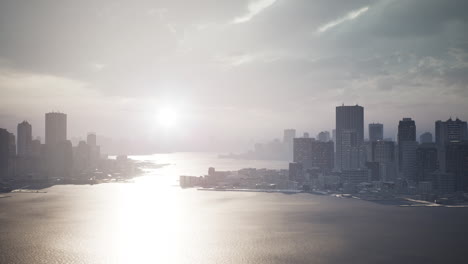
x,y
152,220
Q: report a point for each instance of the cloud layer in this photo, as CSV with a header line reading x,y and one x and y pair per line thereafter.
x,y
240,71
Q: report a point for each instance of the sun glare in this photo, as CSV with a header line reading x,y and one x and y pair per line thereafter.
x,y
168,117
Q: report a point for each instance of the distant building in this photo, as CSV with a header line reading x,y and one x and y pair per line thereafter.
x,y
457,163
322,155
406,133
288,138
91,139
383,152
12,147
425,138
323,136
408,151
352,151
375,132
296,172
24,132
349,136
4,152
355,176
306,135
302,152
55,128
58,151
443,183
426,161
448,132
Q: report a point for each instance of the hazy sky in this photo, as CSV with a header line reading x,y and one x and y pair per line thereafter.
x,y
233,71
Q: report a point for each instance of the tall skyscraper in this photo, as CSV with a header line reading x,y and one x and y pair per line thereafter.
x,y
425,137
4,152
24,139
288,137
406,133
450,131
349,136
375,132
55,128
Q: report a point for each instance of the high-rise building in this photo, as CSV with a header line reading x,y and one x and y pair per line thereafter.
x,y
12,145
324,136
349,136
406,133
450,131
447,132
91,139
425,137
4,152
302,151
322,155
426,160
409,159
383,152
457,163
375,132
24,139
55,128
288,138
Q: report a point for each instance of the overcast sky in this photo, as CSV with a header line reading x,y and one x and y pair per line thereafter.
x,y
234,71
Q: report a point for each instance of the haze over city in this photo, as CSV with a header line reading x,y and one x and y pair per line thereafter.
x,y
220,75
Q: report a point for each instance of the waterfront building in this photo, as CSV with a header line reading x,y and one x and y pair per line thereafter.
x,y
302,152
447,132
349,136
24,132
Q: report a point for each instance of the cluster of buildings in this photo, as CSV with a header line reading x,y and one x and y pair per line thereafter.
x,y
350,162
344,161
25,160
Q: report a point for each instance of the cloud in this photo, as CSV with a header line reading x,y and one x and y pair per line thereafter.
x,y
349,16
254,8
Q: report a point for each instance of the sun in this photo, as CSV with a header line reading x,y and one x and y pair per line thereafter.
x,y
168,117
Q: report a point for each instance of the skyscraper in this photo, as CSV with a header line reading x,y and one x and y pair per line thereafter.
x,y
383,153
375,132
450,131
425,138
4,152
349,135
406,133
457,163
288,137
426,155
24,139
303,152
55,128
